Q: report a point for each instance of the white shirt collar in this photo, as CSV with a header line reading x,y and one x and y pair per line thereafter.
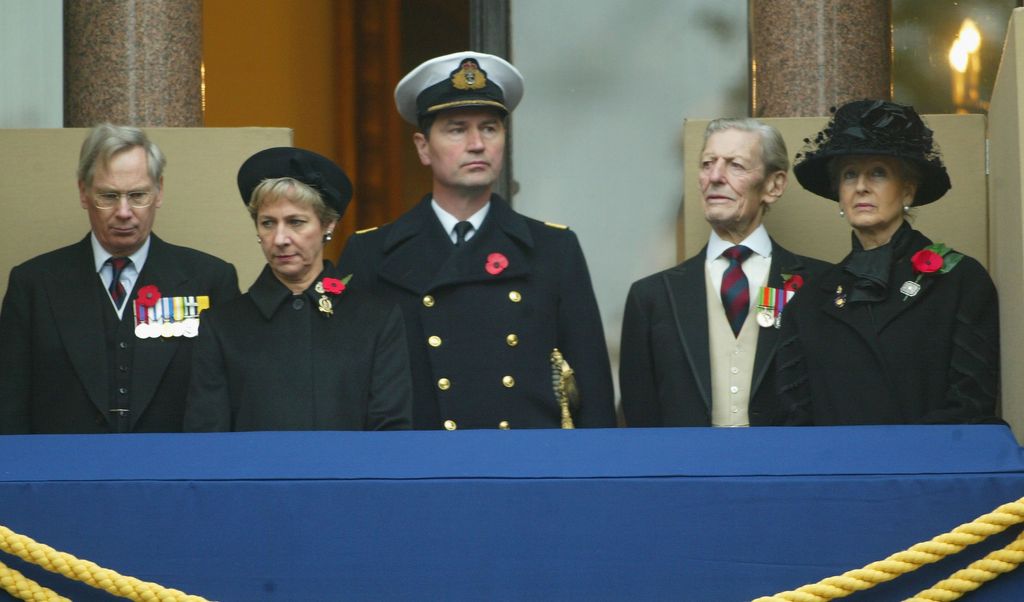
x,y
758,241
101,255
448,220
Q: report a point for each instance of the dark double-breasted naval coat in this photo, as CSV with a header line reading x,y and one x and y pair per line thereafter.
x,y
66,361
480,339
272,360
932,358
665,365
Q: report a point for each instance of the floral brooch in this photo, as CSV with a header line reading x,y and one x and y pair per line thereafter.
x,y
936,258
330,286
148,295
792,282
496,264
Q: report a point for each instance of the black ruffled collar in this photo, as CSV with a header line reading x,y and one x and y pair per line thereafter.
x,y
870,268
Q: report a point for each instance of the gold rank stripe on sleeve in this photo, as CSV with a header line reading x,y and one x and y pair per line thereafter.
x,y
554,225
365,230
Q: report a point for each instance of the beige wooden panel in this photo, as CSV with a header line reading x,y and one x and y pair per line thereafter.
x,y
810,225
201,208
1007,223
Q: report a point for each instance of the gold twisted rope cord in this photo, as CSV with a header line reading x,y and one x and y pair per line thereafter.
x,y
918,555
976,574
85,571
21,587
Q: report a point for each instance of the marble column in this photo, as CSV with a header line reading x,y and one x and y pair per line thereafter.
x,y
133,62
807,56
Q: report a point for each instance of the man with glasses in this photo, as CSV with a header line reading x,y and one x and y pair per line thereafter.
x,y
96,337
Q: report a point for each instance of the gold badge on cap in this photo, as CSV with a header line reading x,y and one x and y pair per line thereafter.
x,y
469,76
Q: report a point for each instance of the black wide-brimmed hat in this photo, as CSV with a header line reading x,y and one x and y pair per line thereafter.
x,y
312,169
873,127
459,80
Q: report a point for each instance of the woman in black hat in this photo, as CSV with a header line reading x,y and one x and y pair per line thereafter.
x,y
305,348
904,330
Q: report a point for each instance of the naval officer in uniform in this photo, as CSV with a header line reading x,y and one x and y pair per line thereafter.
x,y
488,294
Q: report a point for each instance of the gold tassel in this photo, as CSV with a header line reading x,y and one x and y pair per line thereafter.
x,y
564,381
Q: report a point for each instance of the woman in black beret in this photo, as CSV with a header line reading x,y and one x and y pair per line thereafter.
x,y
305,348
904,330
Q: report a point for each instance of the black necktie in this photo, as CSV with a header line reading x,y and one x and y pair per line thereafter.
x,y
735,289
117,292
461,230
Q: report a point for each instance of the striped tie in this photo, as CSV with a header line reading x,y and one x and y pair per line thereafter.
x,y
735,290
117,292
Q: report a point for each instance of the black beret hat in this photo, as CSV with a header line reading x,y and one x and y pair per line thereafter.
x,y
874,127
312,169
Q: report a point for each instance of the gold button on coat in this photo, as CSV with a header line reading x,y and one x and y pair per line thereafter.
x,y
444,384
434,341
428,301
503,425
449,425
514,296
512,340
508,381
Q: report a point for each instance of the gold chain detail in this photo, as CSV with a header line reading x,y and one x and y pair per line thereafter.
x,y
936,549
87,572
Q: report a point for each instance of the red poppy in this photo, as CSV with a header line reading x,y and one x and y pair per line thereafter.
x,y
333,285
793,283
926,261
148,295
496,264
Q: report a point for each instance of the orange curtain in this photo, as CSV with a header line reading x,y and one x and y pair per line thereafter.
x,y
326,69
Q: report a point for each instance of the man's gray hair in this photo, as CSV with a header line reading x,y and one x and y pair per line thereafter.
x,y
106,140
773,148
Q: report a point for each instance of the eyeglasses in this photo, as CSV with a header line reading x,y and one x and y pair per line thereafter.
x,y
137,199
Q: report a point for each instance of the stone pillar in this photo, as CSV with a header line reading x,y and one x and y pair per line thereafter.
x,y
807,56
133,62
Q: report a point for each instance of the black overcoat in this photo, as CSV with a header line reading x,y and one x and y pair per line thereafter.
x,y
480,342
932,358
55,363
665,366
271,360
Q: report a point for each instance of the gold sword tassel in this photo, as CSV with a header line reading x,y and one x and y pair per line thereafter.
x,y
563,379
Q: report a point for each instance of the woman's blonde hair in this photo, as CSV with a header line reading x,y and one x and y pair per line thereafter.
x,y
296,192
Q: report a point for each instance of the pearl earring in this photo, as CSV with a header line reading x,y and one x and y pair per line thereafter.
x,y
906,209
259,240
328,236
842,213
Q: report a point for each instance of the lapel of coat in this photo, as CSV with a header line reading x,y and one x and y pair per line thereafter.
x,y
415,249
150,360
420,257
854,318
903,271
78,317
497,252
686,289
783,262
